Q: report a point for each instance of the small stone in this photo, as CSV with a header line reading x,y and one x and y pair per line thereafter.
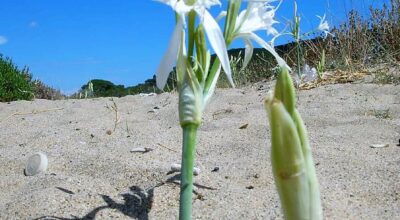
x,y
109,132
244,126
37,163
216,169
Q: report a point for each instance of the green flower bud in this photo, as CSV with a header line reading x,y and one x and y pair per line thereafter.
x,y
291,158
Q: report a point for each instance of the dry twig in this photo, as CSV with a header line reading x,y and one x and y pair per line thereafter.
x,y
34,112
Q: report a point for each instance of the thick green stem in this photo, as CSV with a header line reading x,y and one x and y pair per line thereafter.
x,y
188,156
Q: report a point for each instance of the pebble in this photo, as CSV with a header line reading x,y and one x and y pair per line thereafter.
x,y
141,150
37,163
216,169
244,126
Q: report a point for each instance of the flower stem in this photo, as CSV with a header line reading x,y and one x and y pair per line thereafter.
x,y
188,156
299,57
211,75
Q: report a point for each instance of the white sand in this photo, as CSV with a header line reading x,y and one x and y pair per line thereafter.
x,y
93,174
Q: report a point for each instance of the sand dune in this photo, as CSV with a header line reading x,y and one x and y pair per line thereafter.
x,y
92,172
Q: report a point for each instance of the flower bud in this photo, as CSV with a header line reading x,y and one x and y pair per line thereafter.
x,y
291,158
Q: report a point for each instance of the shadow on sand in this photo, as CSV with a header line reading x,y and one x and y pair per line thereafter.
x,y
137,202
137,205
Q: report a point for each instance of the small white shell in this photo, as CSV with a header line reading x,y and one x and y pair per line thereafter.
x,y
379,145
37,163
138,149
177,168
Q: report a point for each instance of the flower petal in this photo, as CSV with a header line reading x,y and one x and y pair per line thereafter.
x,y
265,45
217,41
221,15
170,56
248,53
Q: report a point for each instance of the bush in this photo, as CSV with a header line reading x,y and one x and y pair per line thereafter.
x,y
104,88
15,84
43,91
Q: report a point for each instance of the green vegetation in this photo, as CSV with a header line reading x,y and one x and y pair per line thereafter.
x,y
15,84
104,88
357,44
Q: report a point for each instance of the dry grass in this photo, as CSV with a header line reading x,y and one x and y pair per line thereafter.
x,y
355,46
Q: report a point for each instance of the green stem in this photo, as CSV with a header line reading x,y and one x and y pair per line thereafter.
x,y
299,54
211,75
188,156
191,31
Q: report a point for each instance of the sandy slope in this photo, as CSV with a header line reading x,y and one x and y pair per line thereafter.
x,y
92,173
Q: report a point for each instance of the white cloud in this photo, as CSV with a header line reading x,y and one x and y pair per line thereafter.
x,y
33,24
3,40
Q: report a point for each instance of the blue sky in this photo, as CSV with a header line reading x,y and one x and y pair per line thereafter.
x,y
66,43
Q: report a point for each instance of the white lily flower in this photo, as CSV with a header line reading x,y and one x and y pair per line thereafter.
x,y
212,30
259,15
323,25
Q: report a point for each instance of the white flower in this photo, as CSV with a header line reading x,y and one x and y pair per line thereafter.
x,y
259,15
323,25
308,74
212,31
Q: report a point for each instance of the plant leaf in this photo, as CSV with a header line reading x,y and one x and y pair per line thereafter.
x,y
217,41
169,59
268,47
248,53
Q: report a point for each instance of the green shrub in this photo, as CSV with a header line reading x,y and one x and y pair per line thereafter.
x,y
104,88
15,84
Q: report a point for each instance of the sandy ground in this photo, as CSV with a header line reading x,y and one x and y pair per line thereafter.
x,y
93,174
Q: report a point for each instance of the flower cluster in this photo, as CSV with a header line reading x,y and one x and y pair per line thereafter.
x,y
323,25
196,76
